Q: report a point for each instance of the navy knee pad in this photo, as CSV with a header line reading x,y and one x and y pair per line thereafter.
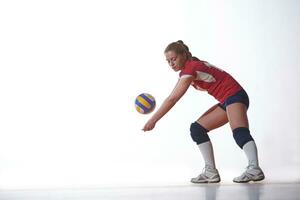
x,y
241,136
199,133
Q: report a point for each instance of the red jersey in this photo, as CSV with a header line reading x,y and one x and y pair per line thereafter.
x,y
215,81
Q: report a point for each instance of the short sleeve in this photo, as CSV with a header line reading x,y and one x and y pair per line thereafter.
x,y
188,71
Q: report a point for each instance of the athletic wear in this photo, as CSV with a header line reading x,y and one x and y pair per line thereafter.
x,y
241,136
209,175
252,173
199,133
223,87
239,97
207,152
250,150
215,81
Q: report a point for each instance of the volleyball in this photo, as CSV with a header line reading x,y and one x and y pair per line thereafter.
x,y
145,103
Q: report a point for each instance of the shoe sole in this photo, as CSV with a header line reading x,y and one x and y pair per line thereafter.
x,y
211,181
254,180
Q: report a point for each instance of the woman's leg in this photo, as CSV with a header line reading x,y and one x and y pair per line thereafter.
x,y
211,119
238,120
237,115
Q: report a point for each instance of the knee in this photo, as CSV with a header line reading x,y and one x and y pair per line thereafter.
x,y
241,136
199,133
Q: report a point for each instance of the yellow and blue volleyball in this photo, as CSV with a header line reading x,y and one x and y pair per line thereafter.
x,y
145,103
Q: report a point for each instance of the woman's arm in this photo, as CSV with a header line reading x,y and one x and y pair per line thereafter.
x,y
179,90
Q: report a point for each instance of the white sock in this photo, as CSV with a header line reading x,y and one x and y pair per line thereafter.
x,y
207,152
251,153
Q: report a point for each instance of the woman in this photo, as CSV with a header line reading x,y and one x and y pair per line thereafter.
x,y
232,108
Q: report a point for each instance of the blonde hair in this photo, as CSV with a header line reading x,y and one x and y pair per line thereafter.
x,y
180,48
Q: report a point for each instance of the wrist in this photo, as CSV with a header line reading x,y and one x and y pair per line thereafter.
x,y
153,120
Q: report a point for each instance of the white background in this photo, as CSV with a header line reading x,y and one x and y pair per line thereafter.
x,y
70,71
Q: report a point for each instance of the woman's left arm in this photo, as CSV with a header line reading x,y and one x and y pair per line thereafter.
x,y
179,90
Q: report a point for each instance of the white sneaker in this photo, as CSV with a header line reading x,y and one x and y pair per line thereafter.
x,y
209,175
252,173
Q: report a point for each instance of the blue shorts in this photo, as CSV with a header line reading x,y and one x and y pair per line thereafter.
x,y
239,97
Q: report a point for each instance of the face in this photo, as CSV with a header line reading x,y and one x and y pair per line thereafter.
x,y
176,61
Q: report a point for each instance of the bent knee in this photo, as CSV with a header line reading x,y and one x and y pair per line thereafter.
x,y
241,136
199,133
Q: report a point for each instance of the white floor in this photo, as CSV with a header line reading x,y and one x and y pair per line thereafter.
x,y
255,191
